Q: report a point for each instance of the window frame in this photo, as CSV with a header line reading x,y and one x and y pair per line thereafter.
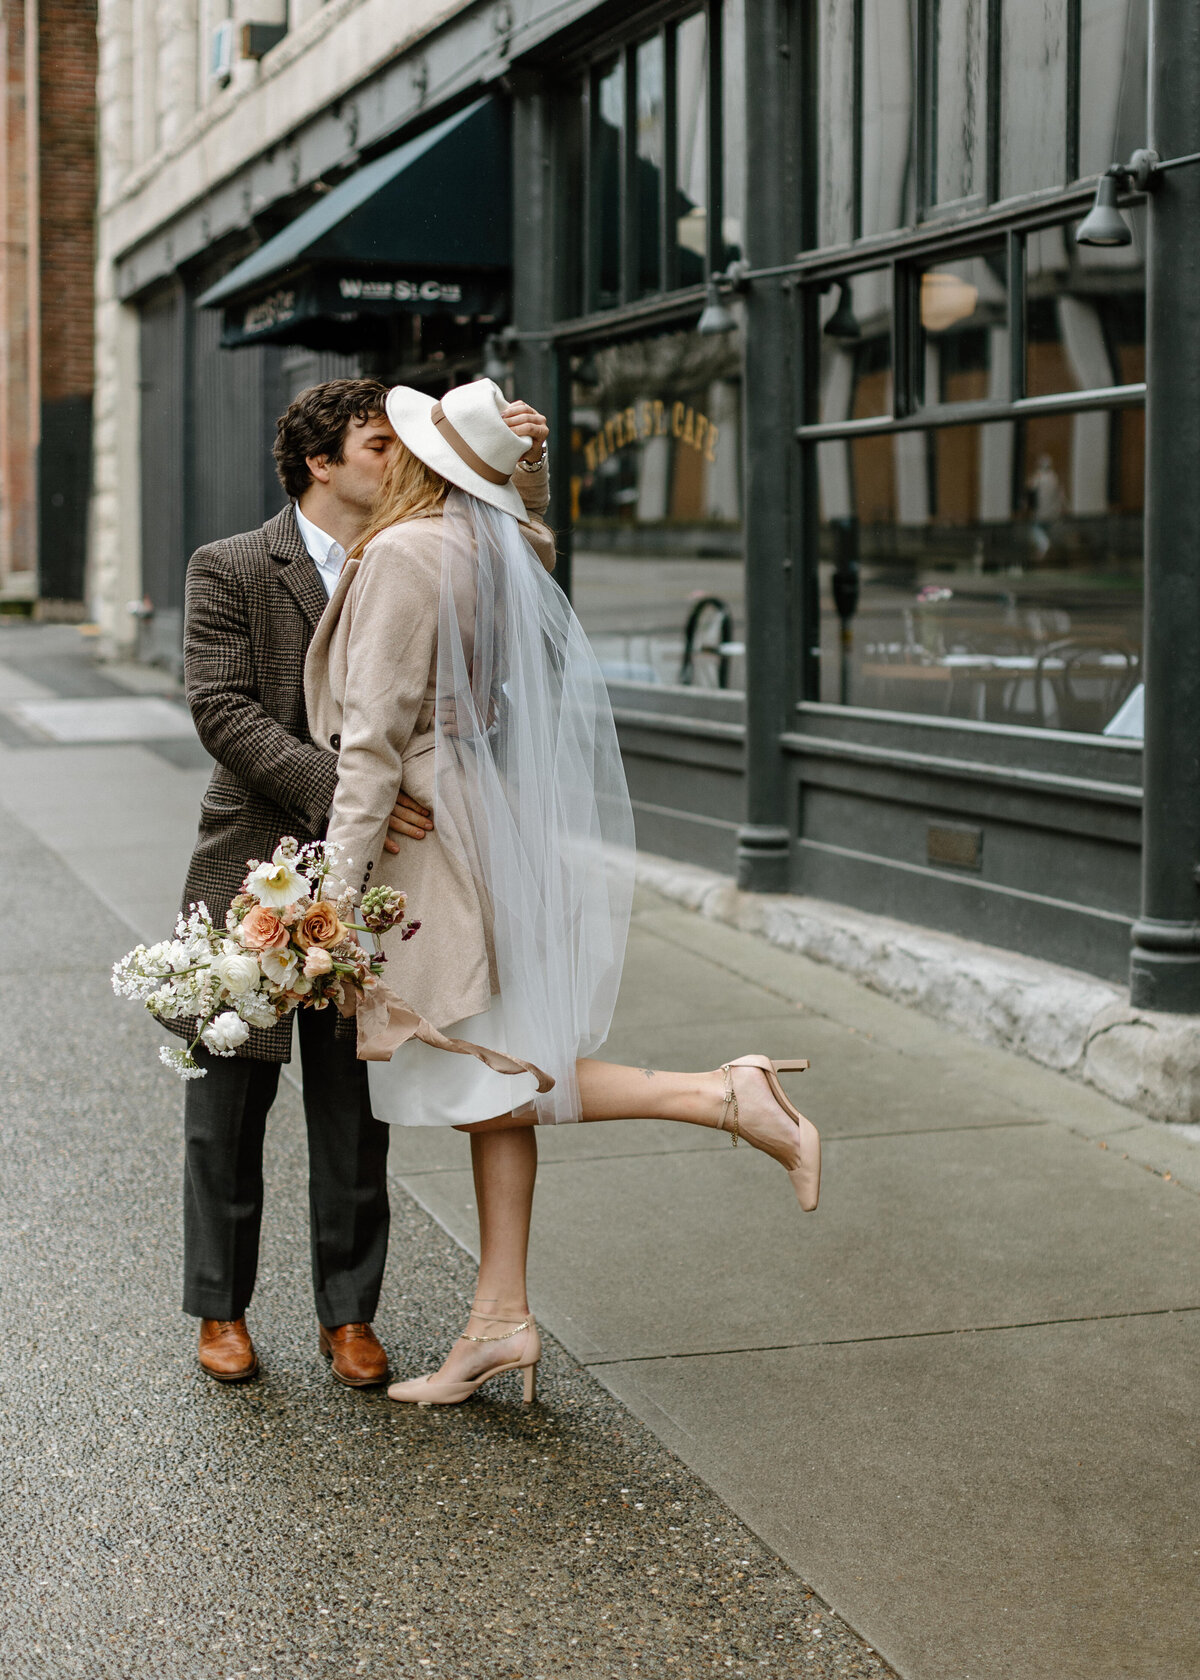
x,y
579,243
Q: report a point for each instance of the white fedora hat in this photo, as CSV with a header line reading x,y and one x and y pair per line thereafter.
x,y
464,438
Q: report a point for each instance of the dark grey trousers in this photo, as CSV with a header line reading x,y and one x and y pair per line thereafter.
x,y
225,1116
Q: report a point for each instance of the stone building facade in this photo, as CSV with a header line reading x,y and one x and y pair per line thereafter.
x,y
47,209
874,487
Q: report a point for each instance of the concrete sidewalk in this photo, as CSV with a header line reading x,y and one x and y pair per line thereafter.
x,y
959,1400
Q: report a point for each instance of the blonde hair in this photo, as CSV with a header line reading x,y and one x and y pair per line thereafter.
x,y
408,489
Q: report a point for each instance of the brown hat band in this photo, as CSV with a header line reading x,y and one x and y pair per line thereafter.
x,y
463,449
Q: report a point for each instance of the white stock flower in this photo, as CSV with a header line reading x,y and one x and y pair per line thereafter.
x,y
256,1008
225,1033
236,972
181,1063
278,883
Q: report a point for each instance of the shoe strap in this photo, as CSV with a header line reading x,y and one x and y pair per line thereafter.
x,y
729,1105
507,1337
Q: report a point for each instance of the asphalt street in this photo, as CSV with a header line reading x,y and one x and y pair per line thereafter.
x,y
957,1404
157,1524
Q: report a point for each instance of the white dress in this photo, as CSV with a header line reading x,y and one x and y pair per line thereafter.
x,y
421,1086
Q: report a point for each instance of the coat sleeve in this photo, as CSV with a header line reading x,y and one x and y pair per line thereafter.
x,y
534,488
393,607
230,719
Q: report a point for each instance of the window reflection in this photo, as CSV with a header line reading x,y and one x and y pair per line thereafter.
x,y
1112,81
836,111
1085,319
733,131
651,137
1033,95
656,508
608,121
691,148
856,348
959,164
999,569
888,180
963,308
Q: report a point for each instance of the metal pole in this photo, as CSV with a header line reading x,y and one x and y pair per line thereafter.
x,y
1165,966
771,236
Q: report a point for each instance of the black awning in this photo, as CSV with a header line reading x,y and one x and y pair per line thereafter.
x,y
426,229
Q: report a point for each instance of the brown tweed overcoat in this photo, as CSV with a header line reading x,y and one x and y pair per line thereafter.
x,y
252,604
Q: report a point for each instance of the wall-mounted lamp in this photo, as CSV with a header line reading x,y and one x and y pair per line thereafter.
x,y
1104,224
495,366
717,316
843,325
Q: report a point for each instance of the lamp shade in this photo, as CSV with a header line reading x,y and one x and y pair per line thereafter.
x,y
843,323
1104,224
717,316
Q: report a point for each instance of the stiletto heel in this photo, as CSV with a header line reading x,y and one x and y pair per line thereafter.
x,y
806,1175
437,1390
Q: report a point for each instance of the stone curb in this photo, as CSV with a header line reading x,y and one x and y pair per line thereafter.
x,y
1065,1020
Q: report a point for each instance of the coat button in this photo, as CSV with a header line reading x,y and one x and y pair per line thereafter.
x,y
335,741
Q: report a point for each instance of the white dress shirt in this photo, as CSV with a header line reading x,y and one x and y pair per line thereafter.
x,y
328,556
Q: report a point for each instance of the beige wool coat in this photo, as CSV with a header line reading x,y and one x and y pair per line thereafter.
x,y
369,687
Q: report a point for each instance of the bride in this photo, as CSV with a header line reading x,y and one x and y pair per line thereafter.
x,y
450,662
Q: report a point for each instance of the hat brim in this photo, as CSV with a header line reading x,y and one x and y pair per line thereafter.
x,y
409,413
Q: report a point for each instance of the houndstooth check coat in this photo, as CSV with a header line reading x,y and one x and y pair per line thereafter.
x,y
252,604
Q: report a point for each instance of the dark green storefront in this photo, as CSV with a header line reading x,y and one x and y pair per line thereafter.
x,y
887,535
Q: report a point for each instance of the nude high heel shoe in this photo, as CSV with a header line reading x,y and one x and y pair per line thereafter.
x,y
444,1391
806,1175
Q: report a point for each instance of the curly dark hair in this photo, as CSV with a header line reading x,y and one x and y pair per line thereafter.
x,y
317,423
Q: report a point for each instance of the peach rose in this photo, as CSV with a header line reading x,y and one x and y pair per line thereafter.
x,y
319,925
261,930
317,961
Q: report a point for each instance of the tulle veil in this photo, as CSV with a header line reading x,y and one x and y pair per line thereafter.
x,y
530,791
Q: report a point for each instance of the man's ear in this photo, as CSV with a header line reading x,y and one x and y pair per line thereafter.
x,y
318,466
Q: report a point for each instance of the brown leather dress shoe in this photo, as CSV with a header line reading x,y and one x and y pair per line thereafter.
x,y
226,1351
358,1358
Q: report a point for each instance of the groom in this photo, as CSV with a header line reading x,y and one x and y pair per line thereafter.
x,y
252,604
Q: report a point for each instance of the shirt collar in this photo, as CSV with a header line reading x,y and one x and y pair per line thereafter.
x,y
320,545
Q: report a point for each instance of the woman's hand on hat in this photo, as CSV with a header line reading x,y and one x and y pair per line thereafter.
x,y
528,423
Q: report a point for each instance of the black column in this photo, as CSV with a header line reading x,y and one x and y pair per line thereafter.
x,y
1165,966
772,221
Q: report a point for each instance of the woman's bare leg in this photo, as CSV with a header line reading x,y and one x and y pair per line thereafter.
x,y
504,1164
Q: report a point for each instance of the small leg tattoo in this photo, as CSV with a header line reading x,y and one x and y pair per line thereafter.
x,y
649,1072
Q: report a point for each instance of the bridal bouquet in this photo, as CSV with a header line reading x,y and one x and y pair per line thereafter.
x,y
284,946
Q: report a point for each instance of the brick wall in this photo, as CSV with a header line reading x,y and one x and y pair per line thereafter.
x,y
67,135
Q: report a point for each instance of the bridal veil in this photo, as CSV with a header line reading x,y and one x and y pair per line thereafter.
x,y
530,792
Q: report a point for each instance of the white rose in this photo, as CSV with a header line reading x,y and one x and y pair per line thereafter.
x,y
225,1033
237,973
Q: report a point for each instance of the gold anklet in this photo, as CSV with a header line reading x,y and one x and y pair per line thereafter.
x,y
508,1335
730,1098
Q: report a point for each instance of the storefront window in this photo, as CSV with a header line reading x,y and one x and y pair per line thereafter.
x,y
651,154
691,148
657,555
1085,312
959,162
949,104
856,348
608,123
663,153
1112,81
1033,95
998,569
963,340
